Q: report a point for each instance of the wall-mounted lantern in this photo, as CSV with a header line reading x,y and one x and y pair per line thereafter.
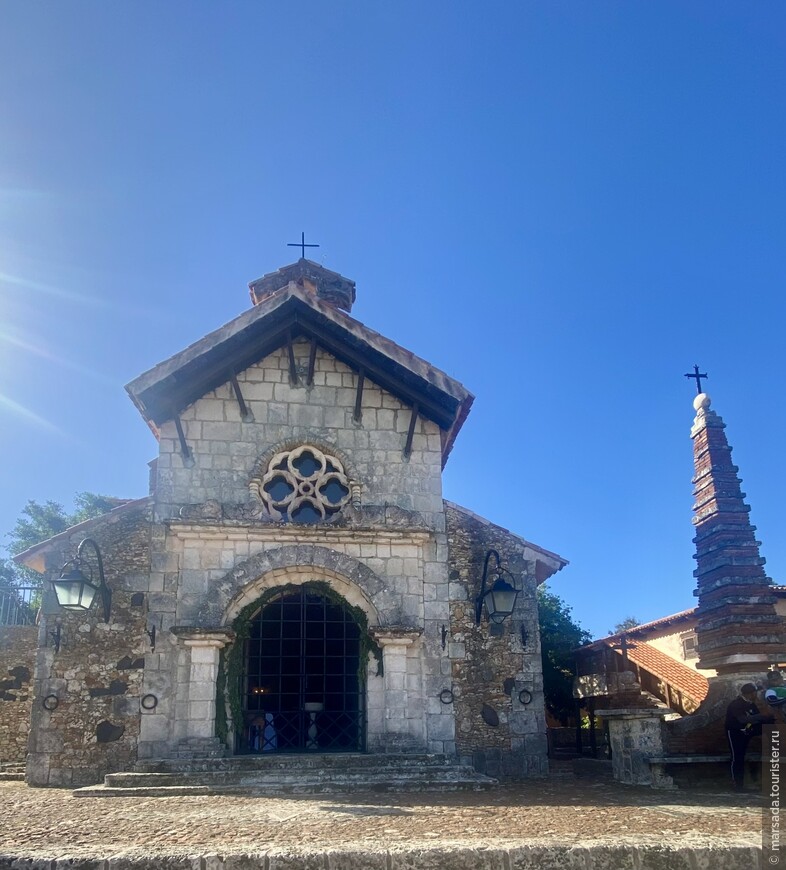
x,y
76,590
500,599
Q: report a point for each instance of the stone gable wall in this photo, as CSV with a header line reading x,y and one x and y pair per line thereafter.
x,y
495,731
97,674
226,449
17,659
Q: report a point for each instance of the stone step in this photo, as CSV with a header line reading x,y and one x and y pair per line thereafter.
x,y
296,762
275,778
560,768
293,774
300,787
12,771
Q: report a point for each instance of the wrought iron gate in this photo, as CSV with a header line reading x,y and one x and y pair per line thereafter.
x,y
304,688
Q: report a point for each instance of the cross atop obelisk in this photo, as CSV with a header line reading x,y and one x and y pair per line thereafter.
x,y
698,377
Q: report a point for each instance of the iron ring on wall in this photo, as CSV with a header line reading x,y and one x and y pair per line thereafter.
x,y
525,696
446,696
50,703
149,702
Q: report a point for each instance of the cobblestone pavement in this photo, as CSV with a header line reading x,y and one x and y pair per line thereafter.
x,y
50,823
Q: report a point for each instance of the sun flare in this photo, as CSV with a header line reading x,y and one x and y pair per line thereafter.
x,y
10,407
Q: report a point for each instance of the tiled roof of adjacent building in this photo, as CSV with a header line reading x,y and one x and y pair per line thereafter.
x,y
679,676
638,630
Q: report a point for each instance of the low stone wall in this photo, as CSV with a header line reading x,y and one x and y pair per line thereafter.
x,y
17,659
582,856
704,732
638,735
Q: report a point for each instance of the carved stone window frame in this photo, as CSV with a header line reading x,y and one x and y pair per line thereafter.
x,y
305,489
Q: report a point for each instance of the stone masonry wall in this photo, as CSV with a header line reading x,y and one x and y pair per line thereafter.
x,y
93,681
495,731
17,659
226,449
704,732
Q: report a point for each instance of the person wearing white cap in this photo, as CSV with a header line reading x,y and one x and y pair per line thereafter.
x,y
743,721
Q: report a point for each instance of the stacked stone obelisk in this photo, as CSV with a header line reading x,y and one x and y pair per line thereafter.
x,y
739,633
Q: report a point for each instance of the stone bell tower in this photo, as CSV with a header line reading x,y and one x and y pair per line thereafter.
x,y
738,630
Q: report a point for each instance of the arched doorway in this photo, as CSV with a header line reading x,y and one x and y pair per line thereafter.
x,y
303,687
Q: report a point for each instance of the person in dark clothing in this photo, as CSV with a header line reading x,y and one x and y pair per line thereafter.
x,y
743,721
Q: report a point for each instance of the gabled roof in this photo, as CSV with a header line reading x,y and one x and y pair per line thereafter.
x,y
33,557
165,390
544,568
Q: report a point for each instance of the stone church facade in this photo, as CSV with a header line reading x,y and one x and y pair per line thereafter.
x,y
295,580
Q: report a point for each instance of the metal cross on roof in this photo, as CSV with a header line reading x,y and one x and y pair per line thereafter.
x,y
698,376
302,245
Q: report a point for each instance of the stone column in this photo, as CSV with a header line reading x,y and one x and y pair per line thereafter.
x,y
403,726
636,736
204,646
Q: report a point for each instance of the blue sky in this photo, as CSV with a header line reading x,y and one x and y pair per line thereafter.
x,y
563,205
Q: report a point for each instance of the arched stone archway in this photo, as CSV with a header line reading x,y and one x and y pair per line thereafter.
x,y
302,653
290,563
298,576
394,718
290,570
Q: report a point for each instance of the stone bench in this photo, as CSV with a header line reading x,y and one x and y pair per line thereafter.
x,y
660,779
699,759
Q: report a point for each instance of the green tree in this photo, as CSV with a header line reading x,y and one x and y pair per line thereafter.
x,y
628,622
7,574
560,635
40,521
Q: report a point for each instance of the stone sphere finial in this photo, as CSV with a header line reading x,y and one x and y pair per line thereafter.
x,y
702,402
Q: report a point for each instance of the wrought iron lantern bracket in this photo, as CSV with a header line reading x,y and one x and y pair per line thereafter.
x,y
76,590
501,597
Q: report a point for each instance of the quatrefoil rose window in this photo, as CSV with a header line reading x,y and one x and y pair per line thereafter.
x,y
302,486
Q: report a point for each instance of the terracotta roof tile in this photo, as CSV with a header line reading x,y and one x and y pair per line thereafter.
x,y
637,630
682,678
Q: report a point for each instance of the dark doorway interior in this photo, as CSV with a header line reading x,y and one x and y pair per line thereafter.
x,y
303,690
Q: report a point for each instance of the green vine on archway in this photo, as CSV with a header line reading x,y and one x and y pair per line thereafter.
x,y
229,689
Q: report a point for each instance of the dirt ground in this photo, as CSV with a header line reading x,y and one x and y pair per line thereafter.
x,y
49,823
